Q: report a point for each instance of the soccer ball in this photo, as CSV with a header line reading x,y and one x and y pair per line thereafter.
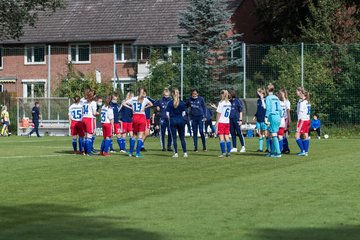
x,y
326,136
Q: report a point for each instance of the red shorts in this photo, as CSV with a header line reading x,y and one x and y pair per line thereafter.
x,y
117,128
126,127
281,131
148,124
139,123
106,128
88,125
223,129
77,128
303,126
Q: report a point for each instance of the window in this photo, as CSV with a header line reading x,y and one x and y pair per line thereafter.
x,y
34,88
125,52
35,54
79,53
143,53
1,88
1,58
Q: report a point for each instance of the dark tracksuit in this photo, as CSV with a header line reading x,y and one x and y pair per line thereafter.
x,y
236,108
164,122
260,112
197,113
177,123
208,122
35,118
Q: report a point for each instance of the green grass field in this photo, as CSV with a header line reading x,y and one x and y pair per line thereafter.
x,y
47,193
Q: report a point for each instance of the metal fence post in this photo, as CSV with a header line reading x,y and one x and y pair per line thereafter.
x,y
302,64
49,80
182,72
114,70
244,66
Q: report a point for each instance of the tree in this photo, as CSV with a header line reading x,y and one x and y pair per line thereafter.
x,y
209,31
15,14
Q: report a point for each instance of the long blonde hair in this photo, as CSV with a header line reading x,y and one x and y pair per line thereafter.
x,y
176,97
225,95
304,92
129,95
141,94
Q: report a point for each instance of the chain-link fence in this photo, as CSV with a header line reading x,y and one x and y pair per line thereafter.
x,y
331,73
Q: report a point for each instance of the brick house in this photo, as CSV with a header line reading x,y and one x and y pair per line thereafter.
x,y
110,38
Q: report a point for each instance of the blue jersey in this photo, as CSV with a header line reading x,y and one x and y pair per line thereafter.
x,y
197,107
116,109
176,112
35,113
236,108
260,111
147,110
162,103
273,106
315,123
126,114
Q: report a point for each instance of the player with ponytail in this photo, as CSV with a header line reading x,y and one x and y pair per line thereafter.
x,y
303,124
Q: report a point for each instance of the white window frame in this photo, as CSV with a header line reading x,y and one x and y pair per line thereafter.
x,y
31,47
2,57
76,61
122,59
1,87
32,82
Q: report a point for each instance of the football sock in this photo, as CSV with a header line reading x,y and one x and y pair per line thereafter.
x,y
261,142
107,145
281,143
74,144
132,145
92,142
81,144
286,143
276,146
102,145
300,144
111,145
119,142
222,147
139,145
228,146
306,143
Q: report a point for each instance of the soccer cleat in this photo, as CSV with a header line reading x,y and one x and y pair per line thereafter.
x,y
318,137
164,150
286,152
243,149
268,155
195,150
222,156
169,149
204,149
123,151
175,155
105,154
301,154
276,155
227,155
259,150
185,155
143,150
267,150
112,151
101,153
139,156
130,155
306,154
234,150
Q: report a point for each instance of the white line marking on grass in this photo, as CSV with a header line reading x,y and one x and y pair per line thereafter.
x,y
37,156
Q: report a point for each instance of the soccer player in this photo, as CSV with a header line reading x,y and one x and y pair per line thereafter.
x,y
236,121
287,116
107,124
282,128
164,122
116,111
175,111
261,127
138,105
303,124
198,117
315,126
76,125
148,121
223,123
36,117
126,122
89,113
273,119
6,121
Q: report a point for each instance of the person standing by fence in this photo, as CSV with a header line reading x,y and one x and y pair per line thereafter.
x,y
5,119
36,117
198,117
236,121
